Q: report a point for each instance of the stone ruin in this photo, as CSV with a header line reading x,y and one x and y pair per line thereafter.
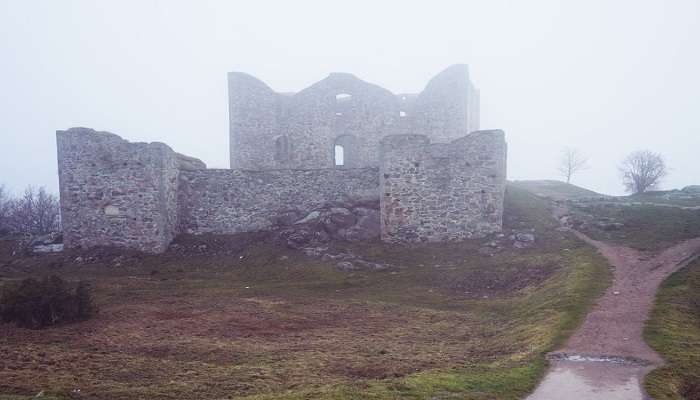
x,y
341,159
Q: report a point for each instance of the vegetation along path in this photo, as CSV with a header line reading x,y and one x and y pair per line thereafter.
x,y
607,357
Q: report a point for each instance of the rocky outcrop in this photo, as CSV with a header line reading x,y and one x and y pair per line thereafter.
x,y
333,221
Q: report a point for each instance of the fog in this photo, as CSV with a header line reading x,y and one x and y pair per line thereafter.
x,y
605,77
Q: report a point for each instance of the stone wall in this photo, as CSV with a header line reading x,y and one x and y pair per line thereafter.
x,y
442,191
270,130
116,193
232,201
140,195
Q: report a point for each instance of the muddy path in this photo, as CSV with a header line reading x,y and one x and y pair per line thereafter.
x,y
607,357
615,325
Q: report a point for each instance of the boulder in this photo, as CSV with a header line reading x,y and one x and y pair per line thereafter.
x,y
339,220
48,248
366,228
287,217
313,216
345,266
50,238
525,237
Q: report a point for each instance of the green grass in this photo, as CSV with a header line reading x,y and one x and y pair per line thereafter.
x,y
258,321
674,331
646,227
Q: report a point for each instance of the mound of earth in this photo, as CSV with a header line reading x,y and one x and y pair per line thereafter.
x,y
555,190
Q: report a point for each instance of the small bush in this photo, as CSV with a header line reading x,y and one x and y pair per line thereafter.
x,y
37,304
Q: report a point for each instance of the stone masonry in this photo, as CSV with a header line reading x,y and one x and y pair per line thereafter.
x,y
443,191
270,130
415,161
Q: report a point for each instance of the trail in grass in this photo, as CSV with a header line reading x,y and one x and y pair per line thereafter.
x,y
607,357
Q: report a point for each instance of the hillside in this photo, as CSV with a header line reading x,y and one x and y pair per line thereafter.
x,y
555,190
245,317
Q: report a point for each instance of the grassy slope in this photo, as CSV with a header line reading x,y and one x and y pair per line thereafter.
x,y
674,331
646,227
270,323
556,190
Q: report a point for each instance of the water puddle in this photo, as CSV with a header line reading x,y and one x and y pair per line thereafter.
x,y
584,379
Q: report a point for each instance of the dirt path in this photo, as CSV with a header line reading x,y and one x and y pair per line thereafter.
x,y
614,326
607,357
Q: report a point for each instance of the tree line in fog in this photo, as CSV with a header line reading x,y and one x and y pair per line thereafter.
x,y
34,212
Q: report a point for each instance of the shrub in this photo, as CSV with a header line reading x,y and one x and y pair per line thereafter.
x,y
37,304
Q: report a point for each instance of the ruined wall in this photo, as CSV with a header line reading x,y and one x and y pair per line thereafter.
x,y
141,195
253,123
442,191
232,201
116,193
271,130
448,106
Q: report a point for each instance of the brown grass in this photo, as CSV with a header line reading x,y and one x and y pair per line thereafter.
x,y
245,317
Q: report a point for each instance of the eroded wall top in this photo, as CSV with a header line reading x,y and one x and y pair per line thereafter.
x,y
341,120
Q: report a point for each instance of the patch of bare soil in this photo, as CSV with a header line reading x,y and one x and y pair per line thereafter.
x,y
614,327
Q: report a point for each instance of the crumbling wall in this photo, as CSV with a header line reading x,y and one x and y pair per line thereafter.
x,y
254,110
442,191
448,107
270,130
232,201
116,193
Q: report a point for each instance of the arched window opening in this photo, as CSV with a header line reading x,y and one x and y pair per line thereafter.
x,y
339,155
282,149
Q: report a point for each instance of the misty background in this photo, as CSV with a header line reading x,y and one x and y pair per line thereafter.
x,y
605,77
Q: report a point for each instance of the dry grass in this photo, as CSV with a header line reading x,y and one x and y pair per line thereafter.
x,y
249,319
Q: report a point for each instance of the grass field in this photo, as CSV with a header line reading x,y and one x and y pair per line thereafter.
x,y
674,331
247,319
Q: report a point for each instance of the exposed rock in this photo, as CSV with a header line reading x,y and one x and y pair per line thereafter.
x,y
286,218
339,218
50,238
525,237
345,266
609,226
310,217
367,228
48,248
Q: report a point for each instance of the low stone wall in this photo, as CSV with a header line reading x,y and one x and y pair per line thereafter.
x,y
140,195
444,191
232,201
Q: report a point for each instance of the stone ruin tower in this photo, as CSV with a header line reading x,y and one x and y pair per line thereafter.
x,y
412,167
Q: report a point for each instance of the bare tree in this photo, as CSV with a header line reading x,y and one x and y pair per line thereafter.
x,y
572,161
36,212
642,170
4,210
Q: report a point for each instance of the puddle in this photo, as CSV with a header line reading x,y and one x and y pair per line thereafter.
x,y
586,380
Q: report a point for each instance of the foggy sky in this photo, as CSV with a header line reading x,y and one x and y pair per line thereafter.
x,y
606,77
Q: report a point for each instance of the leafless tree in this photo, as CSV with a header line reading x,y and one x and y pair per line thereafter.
x,y
4,210
572,161
36,212
642,170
